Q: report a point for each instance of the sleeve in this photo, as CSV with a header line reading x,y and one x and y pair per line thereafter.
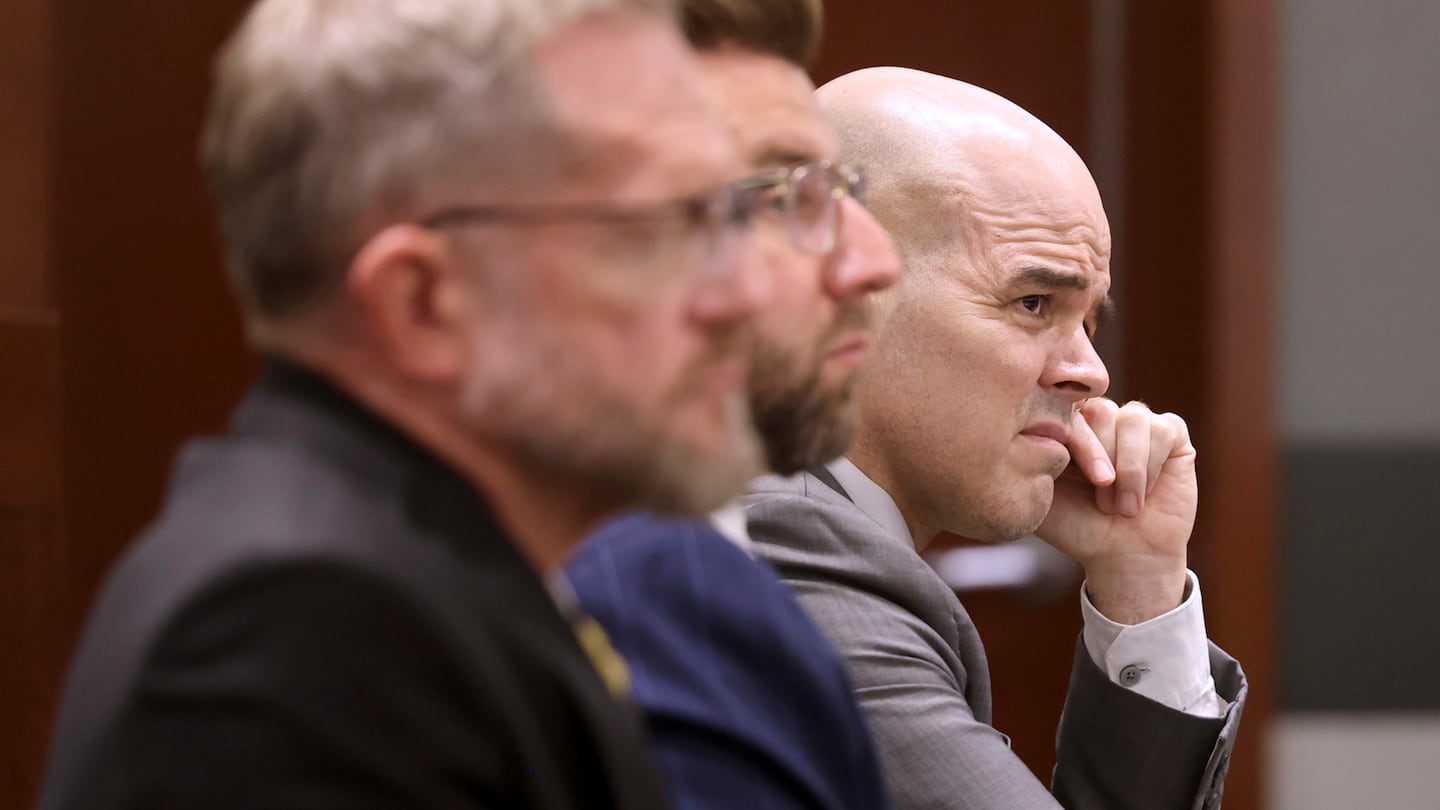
x,y
934,752
1116,749
1120,749
1166,659
313,685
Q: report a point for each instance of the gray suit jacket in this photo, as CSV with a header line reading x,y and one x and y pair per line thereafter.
x,y
921,675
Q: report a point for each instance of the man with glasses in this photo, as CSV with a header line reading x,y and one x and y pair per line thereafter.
x,y
496,258
983,415
746,702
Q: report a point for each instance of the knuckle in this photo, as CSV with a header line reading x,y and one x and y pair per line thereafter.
x,y
1136,407
1100,408
1131,469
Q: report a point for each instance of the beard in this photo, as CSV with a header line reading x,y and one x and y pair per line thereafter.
x,y
554,414
802,422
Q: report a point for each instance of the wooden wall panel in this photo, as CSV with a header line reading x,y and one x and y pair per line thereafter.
x,y
31,556
1034,52
152,345
24,94
1243,502
1200,170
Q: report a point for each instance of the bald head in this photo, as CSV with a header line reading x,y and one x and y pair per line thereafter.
x,y
943,156
984,347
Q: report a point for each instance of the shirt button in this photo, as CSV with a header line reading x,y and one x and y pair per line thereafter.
x,y
1130,675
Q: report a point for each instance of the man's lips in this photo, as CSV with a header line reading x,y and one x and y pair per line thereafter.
x,y
1049,431
850,351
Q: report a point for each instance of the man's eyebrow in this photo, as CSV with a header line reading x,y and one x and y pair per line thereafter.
x,y
777,157
1036,275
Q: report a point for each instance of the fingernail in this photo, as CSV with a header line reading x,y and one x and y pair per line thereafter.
x,y
1129,504
1103,470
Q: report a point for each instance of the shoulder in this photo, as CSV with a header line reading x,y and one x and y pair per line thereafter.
x,y
712,636
675,594
860,582
237,565
650,572
801,511
808,531
320,612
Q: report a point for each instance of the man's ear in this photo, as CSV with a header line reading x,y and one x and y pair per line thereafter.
x,y
412,299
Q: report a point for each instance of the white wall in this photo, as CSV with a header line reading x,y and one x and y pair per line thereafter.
x,y
1355,762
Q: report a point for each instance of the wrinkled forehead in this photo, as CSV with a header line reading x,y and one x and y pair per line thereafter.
x,y
1038,200
630,94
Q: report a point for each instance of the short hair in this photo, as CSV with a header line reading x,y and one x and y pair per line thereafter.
x,y
327,115
789,29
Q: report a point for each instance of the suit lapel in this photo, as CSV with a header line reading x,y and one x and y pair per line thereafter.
x,y
968,646
828,479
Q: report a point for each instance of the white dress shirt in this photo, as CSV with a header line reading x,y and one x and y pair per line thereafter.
x,y
1166,659
729,521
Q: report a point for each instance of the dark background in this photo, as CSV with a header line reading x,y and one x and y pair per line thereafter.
x,y
118,338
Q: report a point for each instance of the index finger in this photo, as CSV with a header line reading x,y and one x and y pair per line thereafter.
x,y
1089,453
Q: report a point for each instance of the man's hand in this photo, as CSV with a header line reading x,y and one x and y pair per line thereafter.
x,y
1125,507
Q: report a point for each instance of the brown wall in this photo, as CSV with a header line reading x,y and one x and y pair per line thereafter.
x,y
151,342
30,473
117,337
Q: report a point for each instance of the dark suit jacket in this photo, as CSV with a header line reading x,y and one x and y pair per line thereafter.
x,y
324,615
748,706
922,678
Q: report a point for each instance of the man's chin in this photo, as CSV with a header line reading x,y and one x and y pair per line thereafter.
x,y
690,478
1022,516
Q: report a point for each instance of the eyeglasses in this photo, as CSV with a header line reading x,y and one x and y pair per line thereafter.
x,y
713,223
808,198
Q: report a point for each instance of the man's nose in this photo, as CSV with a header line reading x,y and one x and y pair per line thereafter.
x,y
864,259
1076,370
735,290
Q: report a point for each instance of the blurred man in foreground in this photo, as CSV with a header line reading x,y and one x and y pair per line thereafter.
x,y
494,254
982,414
747,704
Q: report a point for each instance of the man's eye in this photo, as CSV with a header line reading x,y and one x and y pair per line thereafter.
x,y
774,203
1033,303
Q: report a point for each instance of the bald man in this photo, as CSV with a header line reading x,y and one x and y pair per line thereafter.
x,y
982,414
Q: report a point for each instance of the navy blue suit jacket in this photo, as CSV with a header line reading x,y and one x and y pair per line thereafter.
x,y
748,706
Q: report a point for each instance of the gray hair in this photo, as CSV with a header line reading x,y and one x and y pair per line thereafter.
x,y
328,115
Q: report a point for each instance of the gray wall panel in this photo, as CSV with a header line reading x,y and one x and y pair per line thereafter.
x,y
1360,219
1360,578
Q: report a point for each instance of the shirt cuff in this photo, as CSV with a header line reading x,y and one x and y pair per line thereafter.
x,y
1166,659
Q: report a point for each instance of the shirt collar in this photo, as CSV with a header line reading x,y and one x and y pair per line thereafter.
x,y
872,499
729,520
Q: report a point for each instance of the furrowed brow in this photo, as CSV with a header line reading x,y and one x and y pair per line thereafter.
x,y
1048,278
